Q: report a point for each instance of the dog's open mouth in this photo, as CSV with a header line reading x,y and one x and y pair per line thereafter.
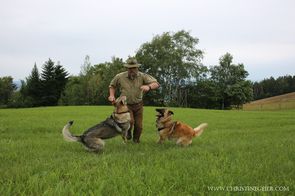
x,y
159,116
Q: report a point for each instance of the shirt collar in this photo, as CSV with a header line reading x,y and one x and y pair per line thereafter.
x,y
137,75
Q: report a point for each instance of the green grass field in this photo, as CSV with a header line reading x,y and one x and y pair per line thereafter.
x,y
239,149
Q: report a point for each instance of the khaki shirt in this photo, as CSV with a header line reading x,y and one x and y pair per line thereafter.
x,y
131,88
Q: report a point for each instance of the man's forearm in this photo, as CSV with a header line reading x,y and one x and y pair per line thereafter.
x,y
154,85
112,91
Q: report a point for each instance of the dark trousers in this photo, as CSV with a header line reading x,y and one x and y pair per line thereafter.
x,y
136,112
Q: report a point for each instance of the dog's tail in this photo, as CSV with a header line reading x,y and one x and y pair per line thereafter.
x,y
67,134
199,130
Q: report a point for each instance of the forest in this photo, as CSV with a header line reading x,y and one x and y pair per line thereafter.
x,y
172,58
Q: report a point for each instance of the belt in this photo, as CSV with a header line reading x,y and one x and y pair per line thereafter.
x,y
133,104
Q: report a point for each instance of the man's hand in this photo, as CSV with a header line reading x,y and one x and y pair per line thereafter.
x,y
145,88
112,98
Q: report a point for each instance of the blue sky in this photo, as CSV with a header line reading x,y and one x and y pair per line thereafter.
x,y
260,34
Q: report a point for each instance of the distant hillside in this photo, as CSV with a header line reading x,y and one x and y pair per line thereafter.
x,y
281,102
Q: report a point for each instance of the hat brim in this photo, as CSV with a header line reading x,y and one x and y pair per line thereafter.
x,y
131,65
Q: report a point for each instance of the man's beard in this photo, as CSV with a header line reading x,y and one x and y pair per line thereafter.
x,y
132,75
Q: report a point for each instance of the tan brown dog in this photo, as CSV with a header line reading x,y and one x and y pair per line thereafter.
x,y
169,129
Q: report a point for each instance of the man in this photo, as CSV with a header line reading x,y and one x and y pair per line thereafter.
x,y
133,84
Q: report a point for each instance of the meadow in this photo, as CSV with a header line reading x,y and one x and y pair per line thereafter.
x,y
239,149
280,102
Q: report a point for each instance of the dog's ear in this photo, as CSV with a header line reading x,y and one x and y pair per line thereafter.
x,y
170,112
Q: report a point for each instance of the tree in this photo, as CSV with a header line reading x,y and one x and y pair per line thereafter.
x,y
48,84
61,79
53,80
33,86
231,85
203,94
271,87
102,75
6,89
73,93
92,85
258,91
88,81
173,59
86,67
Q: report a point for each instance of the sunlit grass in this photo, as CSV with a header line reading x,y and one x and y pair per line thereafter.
x,y
238,149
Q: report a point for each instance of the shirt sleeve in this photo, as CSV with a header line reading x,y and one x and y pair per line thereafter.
x,y
114,82
147,79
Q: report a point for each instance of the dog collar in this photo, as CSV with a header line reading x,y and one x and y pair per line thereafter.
x,y
122,112
171,128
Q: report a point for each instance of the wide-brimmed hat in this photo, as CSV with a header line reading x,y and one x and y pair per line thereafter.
x,y
131,63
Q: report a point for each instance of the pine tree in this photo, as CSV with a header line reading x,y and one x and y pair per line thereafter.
x,y
61,78
53,79
48,89
33,86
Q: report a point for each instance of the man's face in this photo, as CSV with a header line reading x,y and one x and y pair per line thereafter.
x,y
132,72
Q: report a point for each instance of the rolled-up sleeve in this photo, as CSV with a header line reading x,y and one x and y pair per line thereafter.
x,y
114,82
147,79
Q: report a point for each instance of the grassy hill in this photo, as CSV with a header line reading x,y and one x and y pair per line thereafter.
x,y
281,102
239,149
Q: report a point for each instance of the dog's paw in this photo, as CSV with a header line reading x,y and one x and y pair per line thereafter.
x,y
160,141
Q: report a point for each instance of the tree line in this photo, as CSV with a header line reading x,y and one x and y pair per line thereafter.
x,y
272,87
37,89
172,58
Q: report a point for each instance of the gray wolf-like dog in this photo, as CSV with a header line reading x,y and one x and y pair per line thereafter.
x,y
93,138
